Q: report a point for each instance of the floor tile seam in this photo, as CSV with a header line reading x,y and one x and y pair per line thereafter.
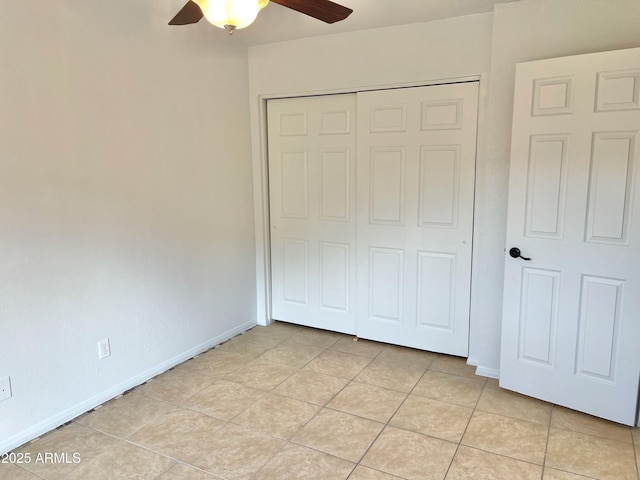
x,y
332,351
270,388
289,442
353,353
230,420
386,386
290,397
171,465
425,434
315,449
297,365
129,442
541,465
200,412
429,369
347,383
382,471
473,410
311,344
581,475
377,386
411,392
323,349
387,425
266,462
449,402
359,382
592,435
214,355
546,445
560,407
636,453
269,434
149,449
270,336
397,363
199,390
206,374
511,416
176,404
355,465
453,457
384,424
29,471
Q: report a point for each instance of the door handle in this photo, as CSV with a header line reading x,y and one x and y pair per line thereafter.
x,y
515,253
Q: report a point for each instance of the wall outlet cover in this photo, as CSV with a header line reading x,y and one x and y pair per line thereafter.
x,y
5,388
104,349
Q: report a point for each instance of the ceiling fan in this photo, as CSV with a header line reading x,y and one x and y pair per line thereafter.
x,y
235,14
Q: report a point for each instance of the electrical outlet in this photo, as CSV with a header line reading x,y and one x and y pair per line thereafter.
x,y
5,388
104,349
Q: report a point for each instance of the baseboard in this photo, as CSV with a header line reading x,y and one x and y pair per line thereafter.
x,y
473,361
487,372
69,414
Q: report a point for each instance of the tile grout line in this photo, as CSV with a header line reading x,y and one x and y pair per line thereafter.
x,y
636,451
288,441
386,424
473,411
546,445
325,406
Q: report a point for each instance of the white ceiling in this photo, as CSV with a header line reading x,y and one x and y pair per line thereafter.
x,y
276,23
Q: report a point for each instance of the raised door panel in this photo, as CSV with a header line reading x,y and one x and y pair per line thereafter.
x,y
439,185
335,185
386,185
386,284
335,273
598,326
538,315
547,172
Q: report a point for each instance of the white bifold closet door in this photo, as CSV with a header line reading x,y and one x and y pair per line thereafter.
x,y
571,322
416,177
312,159
379,243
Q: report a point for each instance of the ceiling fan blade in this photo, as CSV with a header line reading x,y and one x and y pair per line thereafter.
x,y
324,10
190,13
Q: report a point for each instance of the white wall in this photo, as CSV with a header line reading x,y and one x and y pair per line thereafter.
x,y
126,204
424,52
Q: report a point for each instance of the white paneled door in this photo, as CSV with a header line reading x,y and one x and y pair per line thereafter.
x,y
571,320
392,262
312,149
415,181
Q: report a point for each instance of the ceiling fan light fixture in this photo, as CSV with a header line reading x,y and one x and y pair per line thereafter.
x,y
231,14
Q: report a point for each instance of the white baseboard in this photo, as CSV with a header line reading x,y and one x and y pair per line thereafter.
x,y
487,372
481,370
64,416
473,361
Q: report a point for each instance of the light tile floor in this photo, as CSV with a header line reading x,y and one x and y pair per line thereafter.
x,y
287,402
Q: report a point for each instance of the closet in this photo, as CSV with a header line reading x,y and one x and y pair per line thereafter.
x,y
371,213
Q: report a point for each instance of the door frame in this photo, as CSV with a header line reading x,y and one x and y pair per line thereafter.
x,y
261,188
